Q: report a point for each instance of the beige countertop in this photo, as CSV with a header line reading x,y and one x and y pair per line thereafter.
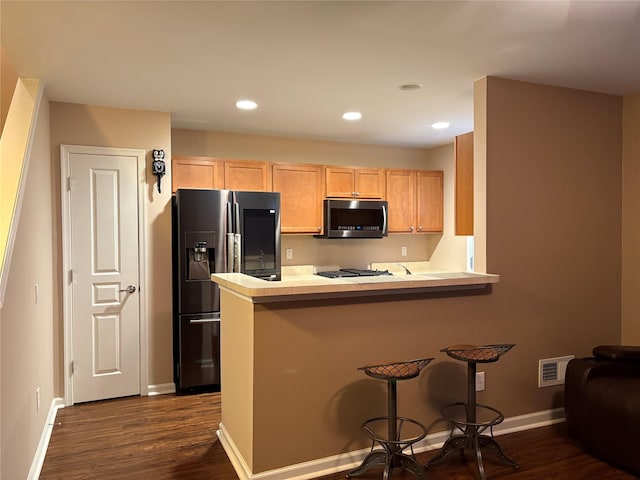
x,y
299,283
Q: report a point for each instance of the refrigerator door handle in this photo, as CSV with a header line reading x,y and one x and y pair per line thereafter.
x,y
229,239
230,253
237,243
237,252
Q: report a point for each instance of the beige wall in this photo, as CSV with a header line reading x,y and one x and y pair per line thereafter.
x,y
107,127
553,220
278,149
14,155
28,331
445,250
630,220
480,174
448,251
8,80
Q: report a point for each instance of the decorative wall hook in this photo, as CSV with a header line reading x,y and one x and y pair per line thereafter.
x,y
159,168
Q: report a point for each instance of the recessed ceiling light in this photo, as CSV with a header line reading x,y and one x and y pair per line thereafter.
x,y
352,116
440,125
410,86
246,105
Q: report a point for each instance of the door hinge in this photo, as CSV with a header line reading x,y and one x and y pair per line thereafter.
x,y
68,184
72,368
70,279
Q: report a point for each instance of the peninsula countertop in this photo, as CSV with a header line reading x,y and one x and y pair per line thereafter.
x,y
310,286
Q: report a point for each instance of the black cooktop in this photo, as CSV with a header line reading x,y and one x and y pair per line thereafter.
x,y
353,272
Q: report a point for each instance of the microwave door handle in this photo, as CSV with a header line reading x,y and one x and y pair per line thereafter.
x,y
384,219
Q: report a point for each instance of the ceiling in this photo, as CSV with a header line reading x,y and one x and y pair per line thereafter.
x,y
307,62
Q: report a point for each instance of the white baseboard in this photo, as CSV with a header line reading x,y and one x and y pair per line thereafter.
x,y
237,460
161,389
345,461
43,444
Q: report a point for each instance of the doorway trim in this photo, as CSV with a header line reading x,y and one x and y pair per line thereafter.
x,y
143,348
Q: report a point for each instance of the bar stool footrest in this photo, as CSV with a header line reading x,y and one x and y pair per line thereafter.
x,y
472,437
398,443
391,455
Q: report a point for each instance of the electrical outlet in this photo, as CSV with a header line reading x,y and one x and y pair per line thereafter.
x,y
289,253
403,251
479,381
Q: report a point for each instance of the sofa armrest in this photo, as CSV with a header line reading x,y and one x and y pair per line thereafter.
x,y
617,353
608,361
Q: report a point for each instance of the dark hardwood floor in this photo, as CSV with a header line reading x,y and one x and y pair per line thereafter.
x,y
173,437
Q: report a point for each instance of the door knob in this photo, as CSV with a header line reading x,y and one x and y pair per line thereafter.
x,y
129,289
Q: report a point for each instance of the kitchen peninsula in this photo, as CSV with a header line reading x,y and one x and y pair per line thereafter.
x,y
293,398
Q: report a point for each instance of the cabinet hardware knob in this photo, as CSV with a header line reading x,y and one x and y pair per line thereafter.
x,y
419,228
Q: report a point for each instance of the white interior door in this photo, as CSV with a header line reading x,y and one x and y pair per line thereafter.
x,y
102,246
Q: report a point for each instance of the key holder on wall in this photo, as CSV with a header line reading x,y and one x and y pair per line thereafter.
x,y
159,168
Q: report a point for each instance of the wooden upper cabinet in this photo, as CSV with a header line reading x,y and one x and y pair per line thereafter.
x,y
340,182
415,199
401,197
301,195
463,146
430,196
196,172
345,182
247,175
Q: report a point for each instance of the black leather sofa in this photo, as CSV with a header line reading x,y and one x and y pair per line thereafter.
x,y
602,404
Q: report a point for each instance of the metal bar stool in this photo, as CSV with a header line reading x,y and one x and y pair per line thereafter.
x,y
472,418
392,455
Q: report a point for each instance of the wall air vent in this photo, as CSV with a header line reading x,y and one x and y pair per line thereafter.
x,y
551,371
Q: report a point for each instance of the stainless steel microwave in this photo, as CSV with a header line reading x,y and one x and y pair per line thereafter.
x,y
355,219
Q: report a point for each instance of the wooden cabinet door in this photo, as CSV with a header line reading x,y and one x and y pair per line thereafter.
x,y
196,172
369,182
247,175
430,201
339,182
346,182
463,146
301,195
401,197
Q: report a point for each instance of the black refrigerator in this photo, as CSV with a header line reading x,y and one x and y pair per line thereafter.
x,y
215,231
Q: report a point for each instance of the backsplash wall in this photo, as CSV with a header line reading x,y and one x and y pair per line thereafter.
x,y
356,252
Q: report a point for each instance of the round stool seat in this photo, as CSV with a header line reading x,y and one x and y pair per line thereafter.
x,y
396,370
477,353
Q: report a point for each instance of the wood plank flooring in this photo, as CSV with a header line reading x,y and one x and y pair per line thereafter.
x,y
173,437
